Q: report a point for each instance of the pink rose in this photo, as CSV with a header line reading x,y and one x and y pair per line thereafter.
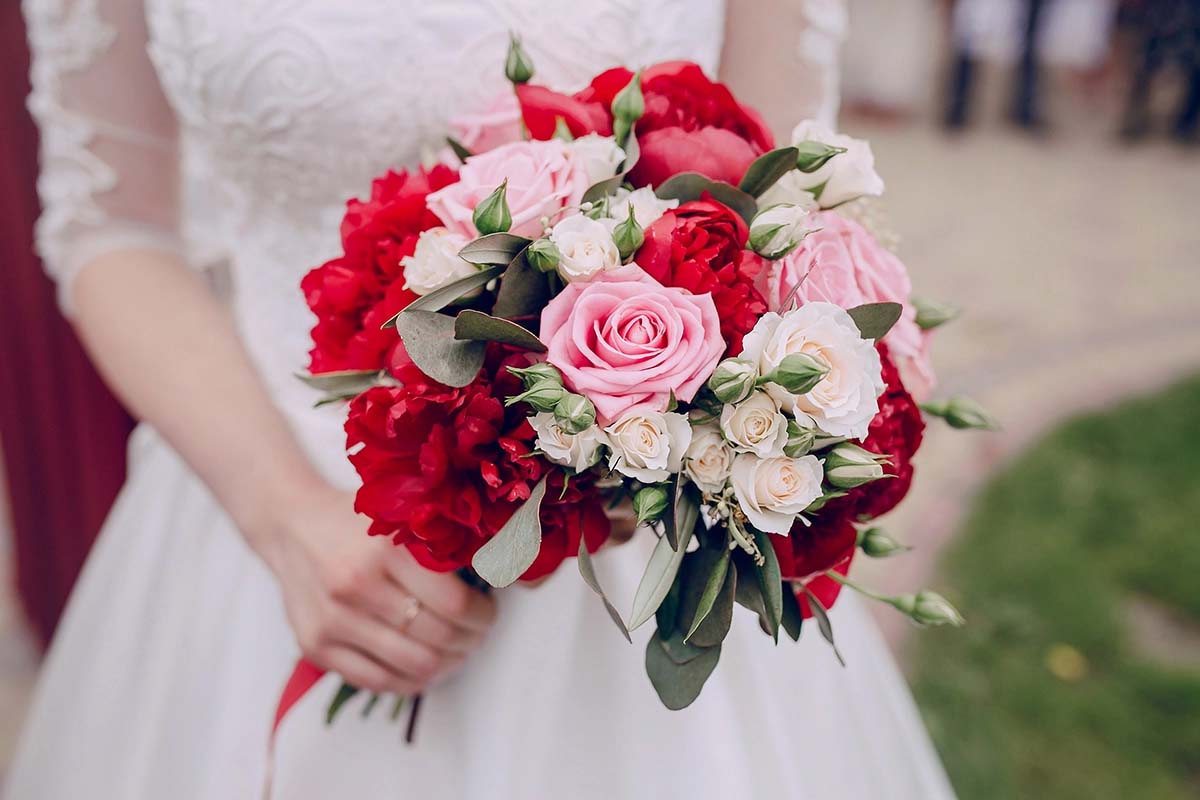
x,y
498,123
843,264
623,339
543,179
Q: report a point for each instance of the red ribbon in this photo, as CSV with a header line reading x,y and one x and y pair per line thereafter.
x,y
304,677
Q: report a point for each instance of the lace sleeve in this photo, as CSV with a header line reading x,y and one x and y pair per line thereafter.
x,y
109,162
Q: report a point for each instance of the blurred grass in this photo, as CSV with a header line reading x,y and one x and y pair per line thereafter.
x,y
1105,508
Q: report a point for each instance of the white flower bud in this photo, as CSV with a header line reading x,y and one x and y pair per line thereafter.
x,y
435,261
849,466
733,380
575,450
648,445
709,459
585,248
777,230
755,426
599,155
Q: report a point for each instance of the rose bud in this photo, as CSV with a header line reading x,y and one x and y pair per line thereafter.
x,y
574,413
628,235
927,609
649,503
849,466
800,439
961,412
542,255
543,395
814,155
585,248
797,373
575,450
627,108
877,544
492,214
733,380
536,373
517,66
931,313
777,230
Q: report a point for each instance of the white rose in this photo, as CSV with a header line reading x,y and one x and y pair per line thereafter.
x,y
847,398
772,491
598,154
576,450
435,262
778,228
648,445
847,175
647,208
708,459
755,426
792,189
585,248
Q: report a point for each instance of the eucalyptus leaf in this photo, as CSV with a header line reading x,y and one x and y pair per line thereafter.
x,y
495,248
667,616
874,320
770,582
515,546
708,593
688,186
602,189
459,150
823,623
523,291
661,571
445,295
588,571
430,343
340,380
344,693
748,592
767,169
678,650
473,325
793,619
678,685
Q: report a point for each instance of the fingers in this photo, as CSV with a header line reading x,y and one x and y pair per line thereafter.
x,y
405,659
400,610
445,594
361,671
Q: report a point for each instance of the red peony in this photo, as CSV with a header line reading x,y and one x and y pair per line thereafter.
x,y
808,551
444,468
355,293
700,246
691,123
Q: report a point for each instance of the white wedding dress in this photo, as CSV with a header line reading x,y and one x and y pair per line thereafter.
x,y
252,121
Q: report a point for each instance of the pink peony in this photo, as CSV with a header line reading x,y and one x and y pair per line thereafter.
x,y
843,264
623,339
543,179
497,124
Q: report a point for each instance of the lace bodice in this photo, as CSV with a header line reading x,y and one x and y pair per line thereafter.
x,y
233,131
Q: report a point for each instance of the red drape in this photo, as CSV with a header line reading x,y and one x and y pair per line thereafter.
x,y
63,435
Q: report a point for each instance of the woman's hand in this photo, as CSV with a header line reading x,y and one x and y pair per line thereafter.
x,y
363,608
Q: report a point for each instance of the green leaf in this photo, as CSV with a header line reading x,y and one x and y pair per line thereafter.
x,y
793,619
602,189
678,685
823,624
523,291
344,693
372,701
633,152
509,553
457,146
714,606
874,320
667,616
661,571
588,571
770,582
767,169
680,651
341,385
430,343
445,295
748,592
477,326
495,248
688,186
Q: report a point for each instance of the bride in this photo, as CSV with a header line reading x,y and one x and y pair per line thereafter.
x,y
187,138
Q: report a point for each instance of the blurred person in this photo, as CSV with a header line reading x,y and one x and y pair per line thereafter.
x,y
1169,31
182,133
889,56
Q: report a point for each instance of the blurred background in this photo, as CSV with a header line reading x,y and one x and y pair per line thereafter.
x,y
1043,169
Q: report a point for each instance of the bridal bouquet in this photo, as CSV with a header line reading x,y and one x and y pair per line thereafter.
x,y
630,294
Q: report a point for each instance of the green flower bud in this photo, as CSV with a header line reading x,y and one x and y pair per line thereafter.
x,y
798,373
492,214
649,503
627,107
877,544
814,155
537,373
733,380
517,66
574,413
800,439
542,255
628,235
542,395
931,314
777,230
962,413
927,609
849,466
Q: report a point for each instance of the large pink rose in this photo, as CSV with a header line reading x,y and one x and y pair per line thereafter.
x,y
843,264
498,123
623,339
543,179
